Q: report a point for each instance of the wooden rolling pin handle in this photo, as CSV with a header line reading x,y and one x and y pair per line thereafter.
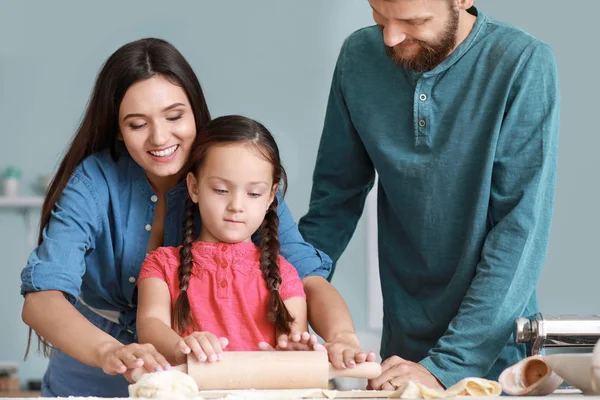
x,y
365,370
137,373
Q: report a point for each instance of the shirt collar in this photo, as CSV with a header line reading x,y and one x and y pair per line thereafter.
x,y
464,46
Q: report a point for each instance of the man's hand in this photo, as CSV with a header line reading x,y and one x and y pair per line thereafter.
x,y
344,351
397,371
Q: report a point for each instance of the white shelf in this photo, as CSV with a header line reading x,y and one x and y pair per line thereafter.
x,y
27,205
21,202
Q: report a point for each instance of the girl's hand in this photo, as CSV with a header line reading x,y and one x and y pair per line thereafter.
x,y
204,345
119,358
294,341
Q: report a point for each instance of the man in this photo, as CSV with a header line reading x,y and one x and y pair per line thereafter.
x,y
459,115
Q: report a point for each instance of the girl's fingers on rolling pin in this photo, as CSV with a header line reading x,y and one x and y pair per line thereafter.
x,y
296,336
216,345
224,342
183,347
196,348
207,348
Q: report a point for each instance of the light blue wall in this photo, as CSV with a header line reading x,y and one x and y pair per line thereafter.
x,y
271,60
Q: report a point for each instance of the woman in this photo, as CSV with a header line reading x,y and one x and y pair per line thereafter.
x,y
110,204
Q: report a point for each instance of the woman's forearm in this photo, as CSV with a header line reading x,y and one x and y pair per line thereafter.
x,y
328,313
51,315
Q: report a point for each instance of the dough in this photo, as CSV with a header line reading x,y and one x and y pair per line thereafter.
x,y
531,376
169,384
476,387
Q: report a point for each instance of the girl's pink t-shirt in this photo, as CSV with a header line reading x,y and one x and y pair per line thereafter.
x,y
227,292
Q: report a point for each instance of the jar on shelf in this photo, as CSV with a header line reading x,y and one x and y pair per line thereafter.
x,y
10,182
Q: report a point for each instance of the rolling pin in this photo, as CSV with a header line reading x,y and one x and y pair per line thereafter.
x,y
263,370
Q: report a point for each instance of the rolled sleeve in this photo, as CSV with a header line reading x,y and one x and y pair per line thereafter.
x,y
58,263
308,260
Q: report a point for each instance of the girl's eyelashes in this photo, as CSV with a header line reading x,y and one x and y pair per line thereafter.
x,y
224,191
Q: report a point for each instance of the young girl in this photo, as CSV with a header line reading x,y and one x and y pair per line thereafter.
x,y
219,289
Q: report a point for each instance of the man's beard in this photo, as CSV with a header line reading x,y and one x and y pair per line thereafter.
x,y
430,54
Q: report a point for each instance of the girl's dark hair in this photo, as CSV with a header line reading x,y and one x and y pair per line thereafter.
x,y
224,130
99,128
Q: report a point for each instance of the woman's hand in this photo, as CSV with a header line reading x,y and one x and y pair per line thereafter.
x,y
204,345
116,358
344,351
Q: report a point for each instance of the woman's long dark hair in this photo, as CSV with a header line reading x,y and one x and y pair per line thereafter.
x,y
99,128
223,130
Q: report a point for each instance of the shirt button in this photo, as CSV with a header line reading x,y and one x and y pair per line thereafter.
x,y
423,97
224,284
132,279
148,227
223,249
422,123
224,265
154,197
